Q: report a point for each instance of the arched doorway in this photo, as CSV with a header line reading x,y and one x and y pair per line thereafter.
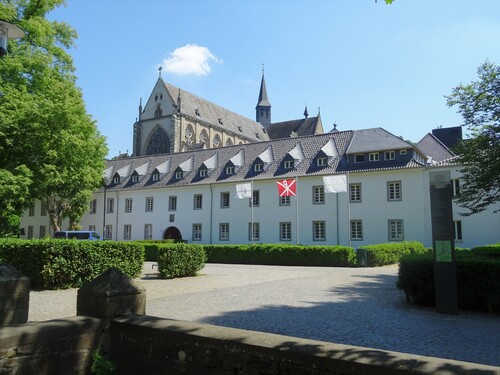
x,y
172,233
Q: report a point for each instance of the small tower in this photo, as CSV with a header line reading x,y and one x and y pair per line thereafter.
x,y
263,108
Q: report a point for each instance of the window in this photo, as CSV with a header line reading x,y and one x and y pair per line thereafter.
x,y
254,231
284,201
257,167
31,210
285,231
230,169
178,175
394,191
93,206
203,173
318,195
390,155
403,152
196,232
116,180
127,232
396,230
148,231
359,158
356,230
108,232
373,156
255,199
320,162
355,193
135,178
43,209
110,205
43,231
156,176
171,218
224,199
319,231
197,201
128,204
457,230
288,164
30,232
172,203
224,231
149,204
456,186
92,228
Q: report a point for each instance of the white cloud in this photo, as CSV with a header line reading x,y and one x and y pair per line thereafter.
x,y
190,59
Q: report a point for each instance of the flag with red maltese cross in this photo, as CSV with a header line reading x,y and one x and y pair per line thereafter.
x,y
287,188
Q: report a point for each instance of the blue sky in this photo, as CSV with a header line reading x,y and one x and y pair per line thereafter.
x,y
364,64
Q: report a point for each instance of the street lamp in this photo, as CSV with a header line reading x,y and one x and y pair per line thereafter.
x,y
8,31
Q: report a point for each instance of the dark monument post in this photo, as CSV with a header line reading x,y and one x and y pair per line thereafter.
x,y
445,271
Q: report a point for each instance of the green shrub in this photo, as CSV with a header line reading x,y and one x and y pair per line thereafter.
x,y
180,260
478,281
59,264
390,253
490,251
283,255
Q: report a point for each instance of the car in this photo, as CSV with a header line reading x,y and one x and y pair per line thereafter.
x,y
78,235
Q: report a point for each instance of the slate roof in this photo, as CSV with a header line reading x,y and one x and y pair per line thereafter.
x,y
433,148
375,139
298,128
193,106
244,157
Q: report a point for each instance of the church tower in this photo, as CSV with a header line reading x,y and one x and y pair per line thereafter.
x,y
263,108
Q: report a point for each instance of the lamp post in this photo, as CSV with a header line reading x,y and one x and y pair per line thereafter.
x,y
8,31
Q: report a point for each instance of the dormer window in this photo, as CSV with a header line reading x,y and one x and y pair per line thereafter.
x,y
403,152
197,112
389,155
116,180
156,176
220,121
135,178
373,156
288,164
257,167
257,135
178,175
203,173
239,129
321,162
229,170
359,158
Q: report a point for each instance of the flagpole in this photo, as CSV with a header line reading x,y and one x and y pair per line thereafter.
x,y
297,208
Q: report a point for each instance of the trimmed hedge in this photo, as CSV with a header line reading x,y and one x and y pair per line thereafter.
x,y
180,260
61,264
283,255
151,248
391,252
490,251
478,281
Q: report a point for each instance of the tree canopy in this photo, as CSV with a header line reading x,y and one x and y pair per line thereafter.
x,y
479,105
50,147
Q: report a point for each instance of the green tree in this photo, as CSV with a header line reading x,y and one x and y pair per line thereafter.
x,y
479,105
44,125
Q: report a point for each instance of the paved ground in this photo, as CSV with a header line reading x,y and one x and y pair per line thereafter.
x,y
355,306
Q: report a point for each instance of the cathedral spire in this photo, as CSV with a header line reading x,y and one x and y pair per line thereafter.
x,y
306,113
263,108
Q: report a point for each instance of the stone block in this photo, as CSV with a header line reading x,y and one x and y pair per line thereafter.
x,y
14,296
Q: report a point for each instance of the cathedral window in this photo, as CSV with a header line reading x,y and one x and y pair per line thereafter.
x,y
203,136
216,141
229,142
189,136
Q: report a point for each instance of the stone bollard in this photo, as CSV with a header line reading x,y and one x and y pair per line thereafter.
x,y
14,296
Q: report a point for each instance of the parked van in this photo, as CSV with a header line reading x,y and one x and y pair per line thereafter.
x,y
78,235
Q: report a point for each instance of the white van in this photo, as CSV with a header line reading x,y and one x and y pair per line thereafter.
x,y
78,235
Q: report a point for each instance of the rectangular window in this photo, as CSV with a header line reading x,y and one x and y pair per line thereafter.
x,y
43,209
135,178
457,229
31,210
355,193
320,162
285,231
390,155
110,205
128,204
373,156
149,204
230,170
156,177
224,199
172,203
203,173
318,195
197,201
43,231
171,218
224,231
356,230
456,186
196,232
319,231
254,231
148,231
284,201
93,206
403,152
127,232
116,180
178,175
394,191
255,199
108,232
288,164
257,167
359,158
92,228
30,232
395,230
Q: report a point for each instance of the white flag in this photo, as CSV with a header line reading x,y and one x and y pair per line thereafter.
x,y
244,190
335,184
